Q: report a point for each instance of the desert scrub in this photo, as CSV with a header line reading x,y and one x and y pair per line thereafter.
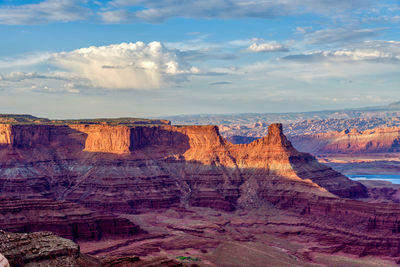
x,y
184,258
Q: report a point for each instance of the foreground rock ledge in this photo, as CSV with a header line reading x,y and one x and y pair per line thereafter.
x,y
42,249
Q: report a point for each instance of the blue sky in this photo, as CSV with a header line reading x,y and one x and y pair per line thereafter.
x,y
67,58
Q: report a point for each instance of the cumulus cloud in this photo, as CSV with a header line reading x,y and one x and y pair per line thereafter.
x,y
126,65
262,46
43,12
160,10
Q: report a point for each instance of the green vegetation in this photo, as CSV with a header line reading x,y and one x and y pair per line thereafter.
x,y
184,258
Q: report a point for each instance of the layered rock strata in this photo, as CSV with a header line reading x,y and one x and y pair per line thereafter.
x,y
42,249
344,225
129,169
379,140
133,169
68,220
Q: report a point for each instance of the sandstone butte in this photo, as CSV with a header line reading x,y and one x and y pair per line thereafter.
x,y
378,140
134,169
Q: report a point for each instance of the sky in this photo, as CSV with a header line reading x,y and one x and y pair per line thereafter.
x,y
136,58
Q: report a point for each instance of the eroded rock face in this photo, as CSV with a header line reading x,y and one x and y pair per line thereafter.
x,y
345,225
379,140
42,249
129,169
163,166
66,219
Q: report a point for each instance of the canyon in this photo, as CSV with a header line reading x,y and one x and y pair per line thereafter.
x,y
350,146
377,140
159,191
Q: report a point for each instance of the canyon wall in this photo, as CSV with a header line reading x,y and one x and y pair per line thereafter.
x,y
131,168
380,140
48,172
66,219
5,134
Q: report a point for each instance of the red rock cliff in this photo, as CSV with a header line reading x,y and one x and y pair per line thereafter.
x,y
66,219
380,140
155,167
130,168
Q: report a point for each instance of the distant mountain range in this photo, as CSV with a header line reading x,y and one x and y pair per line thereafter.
x,y
382,112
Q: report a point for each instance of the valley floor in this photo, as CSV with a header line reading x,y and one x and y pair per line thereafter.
x,y
211,238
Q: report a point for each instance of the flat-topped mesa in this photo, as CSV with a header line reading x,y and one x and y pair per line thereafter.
x,y
116,139
130,168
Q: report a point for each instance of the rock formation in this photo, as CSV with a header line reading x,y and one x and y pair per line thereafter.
x,y
131,168
42,249
380,140
3,261
68,220
135,168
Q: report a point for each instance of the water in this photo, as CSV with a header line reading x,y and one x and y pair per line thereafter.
x,y
384,177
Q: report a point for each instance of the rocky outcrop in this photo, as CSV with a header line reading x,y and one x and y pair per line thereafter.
x,y
42,249
68,220
380,140
132,168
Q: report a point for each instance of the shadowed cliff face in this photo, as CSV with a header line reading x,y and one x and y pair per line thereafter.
x,y
66,219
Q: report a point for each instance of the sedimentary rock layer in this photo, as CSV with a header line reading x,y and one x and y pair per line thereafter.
x,y
42,249
128,169
344,225
132,169
379,140
68,220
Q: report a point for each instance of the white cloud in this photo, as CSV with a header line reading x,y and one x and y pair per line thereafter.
x,y
54,82
262,46
43,12
378,51
363,61
118,11
126,65
22,61
340,35
160,10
